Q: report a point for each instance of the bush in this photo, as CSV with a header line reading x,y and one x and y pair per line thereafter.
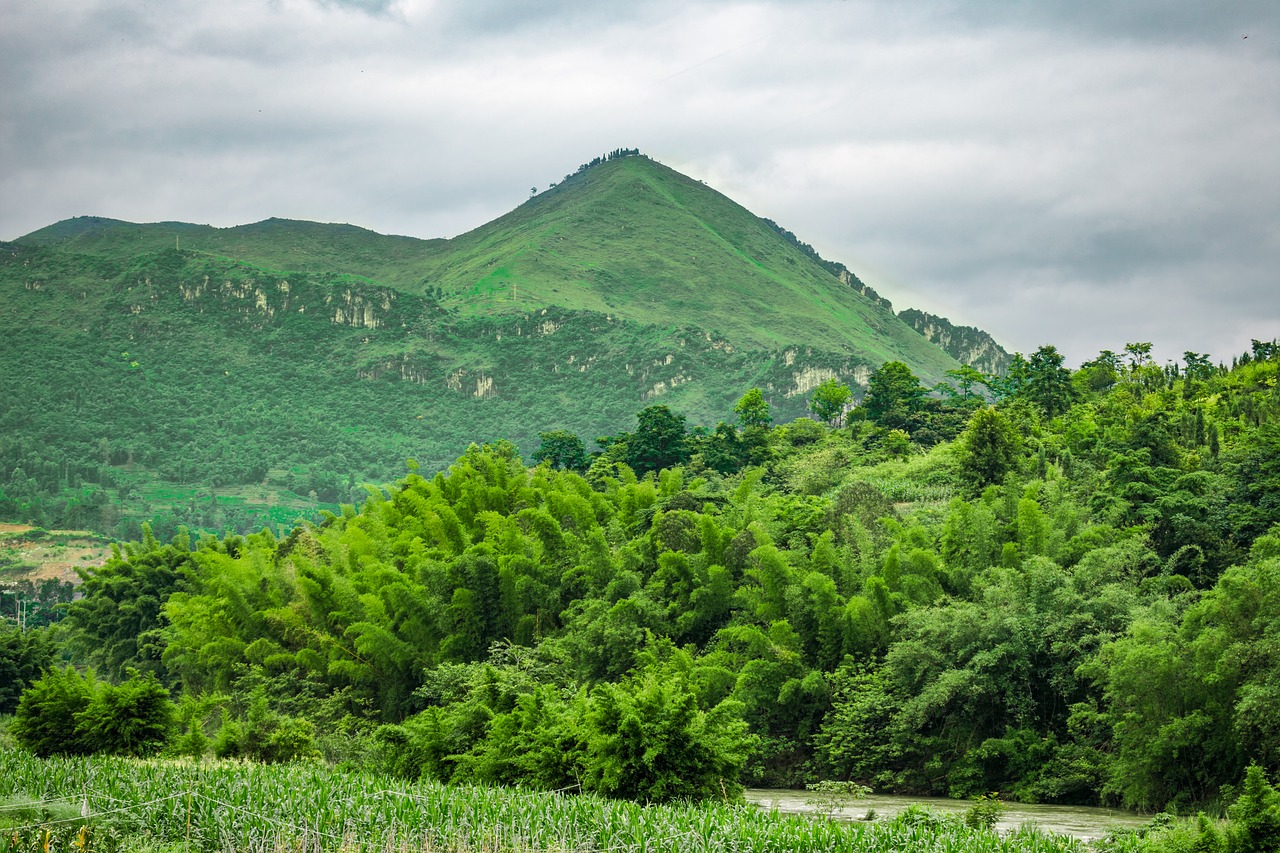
x,y
985,812
266,736
648,741
45,721
135,718
68,713
1255,817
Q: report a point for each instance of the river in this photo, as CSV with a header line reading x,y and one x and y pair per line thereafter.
x,y
1084,822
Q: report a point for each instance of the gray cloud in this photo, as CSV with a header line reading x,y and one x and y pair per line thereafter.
x,y
371,7
1077,173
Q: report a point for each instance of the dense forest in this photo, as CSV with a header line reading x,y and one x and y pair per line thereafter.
x,y
1065,588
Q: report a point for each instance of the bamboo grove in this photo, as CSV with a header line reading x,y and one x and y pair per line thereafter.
x,y
1075,600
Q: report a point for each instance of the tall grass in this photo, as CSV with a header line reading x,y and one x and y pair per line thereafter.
x,y
309,807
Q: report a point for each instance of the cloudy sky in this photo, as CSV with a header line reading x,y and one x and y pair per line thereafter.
x,y
1078,172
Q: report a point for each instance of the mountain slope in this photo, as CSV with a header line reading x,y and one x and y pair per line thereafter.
x,y
590,242
277,244
628,238
273,366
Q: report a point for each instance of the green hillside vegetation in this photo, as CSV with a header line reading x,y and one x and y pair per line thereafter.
x,y
1074,601
231,378
628,238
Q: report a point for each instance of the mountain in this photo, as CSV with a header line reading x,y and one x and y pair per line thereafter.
x,y
629,238
272,366
966,344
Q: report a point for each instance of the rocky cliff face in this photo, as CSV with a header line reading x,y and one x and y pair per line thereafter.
x,y
965,344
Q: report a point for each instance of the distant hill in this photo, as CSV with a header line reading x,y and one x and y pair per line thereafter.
x,y
271,367
966,344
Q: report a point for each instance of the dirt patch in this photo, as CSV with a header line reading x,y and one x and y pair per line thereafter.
x,y
56,554
15,528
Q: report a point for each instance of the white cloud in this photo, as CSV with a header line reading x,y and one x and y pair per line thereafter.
x,y
1074,173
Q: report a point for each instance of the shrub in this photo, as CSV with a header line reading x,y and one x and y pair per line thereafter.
x,y
985,811
266,736
135,718
68,713
45,721
1255,817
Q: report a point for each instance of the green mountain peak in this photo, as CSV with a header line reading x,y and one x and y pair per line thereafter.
x,y
639,241
168,355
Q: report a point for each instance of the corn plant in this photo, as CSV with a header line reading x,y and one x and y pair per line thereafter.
x,y
118,803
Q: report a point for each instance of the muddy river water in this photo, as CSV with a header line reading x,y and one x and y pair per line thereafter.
x,y
1083,822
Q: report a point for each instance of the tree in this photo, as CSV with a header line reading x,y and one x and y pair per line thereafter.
x,y
966,377
829,400
894,394
1139,354
753,414
988,448
753,410
723,450
1100,373
23,654
659,441
1048,383
563,449
1198,365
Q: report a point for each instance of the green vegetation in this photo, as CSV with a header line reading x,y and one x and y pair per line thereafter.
x,y
66,713
1068,591
222,806
231,379
1071,605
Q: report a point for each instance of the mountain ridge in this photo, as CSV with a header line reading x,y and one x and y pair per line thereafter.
x,y
474,275
966,344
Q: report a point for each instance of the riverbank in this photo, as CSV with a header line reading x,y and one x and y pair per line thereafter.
x,y
1082,822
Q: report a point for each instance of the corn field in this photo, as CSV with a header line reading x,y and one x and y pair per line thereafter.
x,y
110,804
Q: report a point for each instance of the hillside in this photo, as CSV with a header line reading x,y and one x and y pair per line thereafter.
x,y
628,238
229,376
966,344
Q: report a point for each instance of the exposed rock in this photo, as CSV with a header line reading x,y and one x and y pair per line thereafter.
x,y
966,344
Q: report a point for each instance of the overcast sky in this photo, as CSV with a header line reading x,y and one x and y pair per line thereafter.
x,y
1071,172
